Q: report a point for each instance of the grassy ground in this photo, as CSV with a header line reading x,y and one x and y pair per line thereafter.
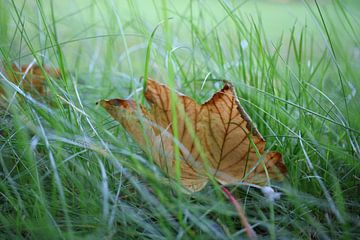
x,y
69,171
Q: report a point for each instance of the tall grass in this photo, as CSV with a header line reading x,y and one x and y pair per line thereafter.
x,y
69,171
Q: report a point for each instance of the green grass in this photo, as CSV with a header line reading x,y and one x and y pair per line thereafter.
x,y
69,171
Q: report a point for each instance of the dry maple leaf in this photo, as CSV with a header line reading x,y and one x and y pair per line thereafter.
x,y
216,137
34,80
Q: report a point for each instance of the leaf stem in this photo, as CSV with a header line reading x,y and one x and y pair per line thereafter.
x,y
249,231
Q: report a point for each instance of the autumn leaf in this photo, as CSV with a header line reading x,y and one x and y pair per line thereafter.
x,y
30,78
216,137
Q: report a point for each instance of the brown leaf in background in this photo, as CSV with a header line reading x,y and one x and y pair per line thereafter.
x,y
34,81
216,137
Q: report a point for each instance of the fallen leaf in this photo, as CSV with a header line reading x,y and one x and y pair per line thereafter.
x,y
34,80
216,137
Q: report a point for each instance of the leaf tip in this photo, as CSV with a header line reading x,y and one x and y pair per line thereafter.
x,y
275,159
116,102
227,85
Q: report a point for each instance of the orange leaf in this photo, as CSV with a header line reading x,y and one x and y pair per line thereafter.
x,y
215,138
34,80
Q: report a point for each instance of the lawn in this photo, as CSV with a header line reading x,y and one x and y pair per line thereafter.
x,y
68,170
